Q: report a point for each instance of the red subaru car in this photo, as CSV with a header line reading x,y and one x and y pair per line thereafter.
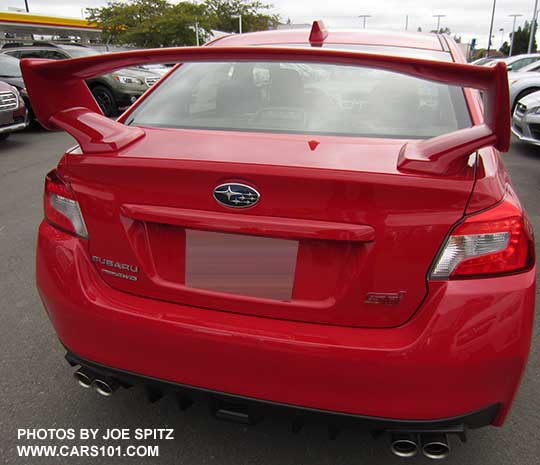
x,y
316,223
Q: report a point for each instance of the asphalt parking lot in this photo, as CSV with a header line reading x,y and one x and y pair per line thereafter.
x,y
38,391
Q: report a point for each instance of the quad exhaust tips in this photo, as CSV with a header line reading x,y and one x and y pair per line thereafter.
x,y
435,445
404,445
432,445
103,386
84,378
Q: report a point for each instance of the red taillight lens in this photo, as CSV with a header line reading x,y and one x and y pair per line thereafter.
x,y
61,208
494,242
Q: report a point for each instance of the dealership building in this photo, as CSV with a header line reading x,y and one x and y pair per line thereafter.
x,y
20,26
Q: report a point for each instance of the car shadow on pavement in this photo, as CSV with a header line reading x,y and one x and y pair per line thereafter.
x,y
527,150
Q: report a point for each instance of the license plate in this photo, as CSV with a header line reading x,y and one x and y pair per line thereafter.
x,y
241,264
6,117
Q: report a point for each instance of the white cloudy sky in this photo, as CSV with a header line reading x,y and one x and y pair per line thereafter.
x,y
464,17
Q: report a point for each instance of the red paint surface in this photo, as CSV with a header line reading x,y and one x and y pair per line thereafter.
x,y
347,182
363,37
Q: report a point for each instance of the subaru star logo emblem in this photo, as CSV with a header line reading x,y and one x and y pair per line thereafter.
x,y
236,195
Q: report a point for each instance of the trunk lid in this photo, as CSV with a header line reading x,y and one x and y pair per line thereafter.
x,y
339,235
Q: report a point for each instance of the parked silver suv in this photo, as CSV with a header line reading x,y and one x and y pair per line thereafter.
x,y
114,92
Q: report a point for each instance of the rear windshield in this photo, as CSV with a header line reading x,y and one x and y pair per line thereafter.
x,y
303,98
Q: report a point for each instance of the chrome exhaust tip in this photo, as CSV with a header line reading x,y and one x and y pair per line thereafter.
x,y
84,378
404,445
104,388
435,446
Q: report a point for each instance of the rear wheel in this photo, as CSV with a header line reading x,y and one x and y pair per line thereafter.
x,y
105,100
522,94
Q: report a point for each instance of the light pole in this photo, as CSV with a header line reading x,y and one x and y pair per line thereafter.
x,y
239,22
26,5
501,30
439,21
513,32
364,17
533,27
406,22
491,27
197,32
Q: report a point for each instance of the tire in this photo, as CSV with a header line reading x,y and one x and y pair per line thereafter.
x,y
4,136
105,100
522,94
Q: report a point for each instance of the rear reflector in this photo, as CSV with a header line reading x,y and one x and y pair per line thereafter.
x,y
61,208
494,242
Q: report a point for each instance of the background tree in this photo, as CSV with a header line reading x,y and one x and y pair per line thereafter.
x,y
177,27
521,39
151,23
505,48
255,15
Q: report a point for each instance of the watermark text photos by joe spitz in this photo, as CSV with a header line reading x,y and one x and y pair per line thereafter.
x,y
109,434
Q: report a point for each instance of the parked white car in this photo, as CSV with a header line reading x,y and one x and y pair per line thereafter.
x,y
526,119
482,61
530,68
521,85
517,62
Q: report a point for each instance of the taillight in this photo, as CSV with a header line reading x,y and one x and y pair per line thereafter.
x,y
494,242
61,208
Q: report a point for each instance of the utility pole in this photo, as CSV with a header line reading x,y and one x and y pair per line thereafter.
x,y
26,5
491,27
406,22
533,27
239,22
439,21
513,32
197,33
364,17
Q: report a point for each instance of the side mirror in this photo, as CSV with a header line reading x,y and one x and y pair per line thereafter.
x,y
509,67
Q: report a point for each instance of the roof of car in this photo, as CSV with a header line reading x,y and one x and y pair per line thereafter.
x,y
419,40
3,56
520,57
28,47
41,44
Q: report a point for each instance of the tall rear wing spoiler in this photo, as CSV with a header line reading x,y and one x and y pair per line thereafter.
x,y
61,99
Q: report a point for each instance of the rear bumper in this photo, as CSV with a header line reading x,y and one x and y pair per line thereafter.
x,y
20,122
13,127
463,351
254,410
